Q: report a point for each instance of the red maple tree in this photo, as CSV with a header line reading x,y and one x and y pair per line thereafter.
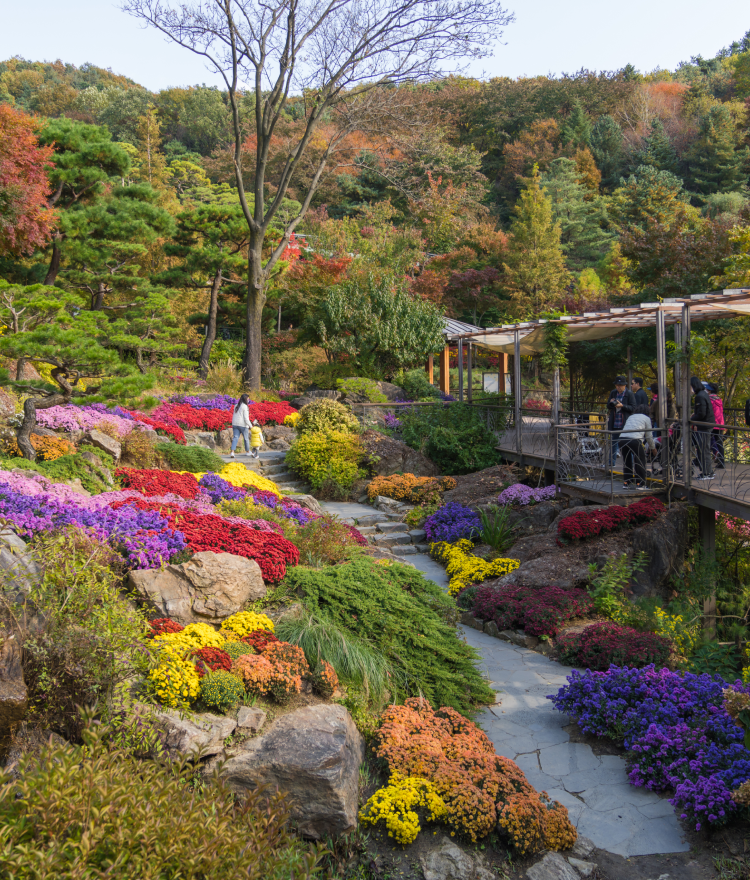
x,y
26,218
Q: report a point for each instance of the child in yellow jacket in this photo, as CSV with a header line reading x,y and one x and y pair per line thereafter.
x,y
256,439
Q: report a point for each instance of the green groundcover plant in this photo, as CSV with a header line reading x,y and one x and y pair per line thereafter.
x,y
406,617
195,459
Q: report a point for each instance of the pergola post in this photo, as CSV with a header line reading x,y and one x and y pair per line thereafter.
x,y
678,347
501,371
430,370
461,370
556,396
707,532
687,441
661,384
469,377
445,373
517,387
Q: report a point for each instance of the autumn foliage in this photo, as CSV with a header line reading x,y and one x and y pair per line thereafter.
x,y
26,220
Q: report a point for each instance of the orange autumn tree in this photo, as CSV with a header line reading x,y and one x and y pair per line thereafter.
x,y
26,220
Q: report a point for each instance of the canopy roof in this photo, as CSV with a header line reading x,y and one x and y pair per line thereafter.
x,y
455,329
600,325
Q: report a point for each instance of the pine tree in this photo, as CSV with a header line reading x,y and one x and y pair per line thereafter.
x,y
582,237
576,131
657,150
607,148
535,271
649,195
717,162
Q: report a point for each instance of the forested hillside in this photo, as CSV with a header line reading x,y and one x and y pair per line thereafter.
x,y
489,201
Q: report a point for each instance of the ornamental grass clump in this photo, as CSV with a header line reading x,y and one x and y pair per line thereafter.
x,y
406,618
221,690
410,489
471,788
94,810
678,729
464,568
538,611
451,523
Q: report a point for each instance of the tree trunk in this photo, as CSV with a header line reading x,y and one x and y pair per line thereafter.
x,y
256,298
208,342
23,435
20,364
139,361
98,301
54,263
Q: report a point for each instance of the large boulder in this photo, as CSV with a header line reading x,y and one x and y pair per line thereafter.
x,y
104,442
552,867
193,735
313,394
307,501
313,756
391,391
449,862
224,438
13,693
664,542
208,587
279,432
21,572
201,438
391,456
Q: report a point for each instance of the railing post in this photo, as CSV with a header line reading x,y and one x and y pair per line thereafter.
x,y
556,396
687,441
517,388
468,390
460,370
661,380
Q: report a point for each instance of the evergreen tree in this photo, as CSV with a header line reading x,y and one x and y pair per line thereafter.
x,y
657,150
582,237
576,131
607,143
717,162
362,189
535,271
648,195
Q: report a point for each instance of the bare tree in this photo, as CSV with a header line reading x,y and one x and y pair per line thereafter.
x,y
343,56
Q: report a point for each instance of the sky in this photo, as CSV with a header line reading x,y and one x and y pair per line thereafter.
x,y
548,36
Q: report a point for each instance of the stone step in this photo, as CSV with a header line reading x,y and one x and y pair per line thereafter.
x,y
279,468
405,550
291,487
366,530
390,540
417,536
422,548
370,519
391,527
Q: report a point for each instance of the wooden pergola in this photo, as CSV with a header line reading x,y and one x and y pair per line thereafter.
x,y
455,332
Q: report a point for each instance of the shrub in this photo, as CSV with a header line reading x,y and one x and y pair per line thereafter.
x,y
291,421
96,811
324,416
465,568
67,468
244,622
396,803
255,671
417,515
364,387
224,377
497,531
417,386
211,660
284,682
539,611
221,690
47,448
194,459
590,523
324,680
259,639
318,457
174,682
473,790
604,644
397,611
139,449
326,541
452,522
410,489
354,661
284,654
455,437
237,649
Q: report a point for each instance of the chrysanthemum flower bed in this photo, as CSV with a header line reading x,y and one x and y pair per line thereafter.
x,y
410,489
464,568
451,523
151,481
539,611
445,765
591,523
520,494
678,731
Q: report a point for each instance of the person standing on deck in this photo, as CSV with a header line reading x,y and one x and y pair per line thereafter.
x,y
621,404
703,415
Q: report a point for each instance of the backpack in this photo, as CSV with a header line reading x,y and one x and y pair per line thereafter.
x,y
718,405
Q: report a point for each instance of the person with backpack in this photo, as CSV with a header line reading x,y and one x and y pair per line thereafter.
x,y
717,435
241,424
702,424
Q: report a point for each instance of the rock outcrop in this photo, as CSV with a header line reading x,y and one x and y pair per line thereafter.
x,y
391,456
665,543
20,571
450,862
312,755
104,442
208,587
195,735
202,438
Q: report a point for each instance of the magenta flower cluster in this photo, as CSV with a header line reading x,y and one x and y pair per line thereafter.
x,y
219,401
524,495
674,724
76,418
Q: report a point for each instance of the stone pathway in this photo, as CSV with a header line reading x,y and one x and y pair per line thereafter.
x,y
524,726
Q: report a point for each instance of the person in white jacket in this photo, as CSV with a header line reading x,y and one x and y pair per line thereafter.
x,y
241,423
635,432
